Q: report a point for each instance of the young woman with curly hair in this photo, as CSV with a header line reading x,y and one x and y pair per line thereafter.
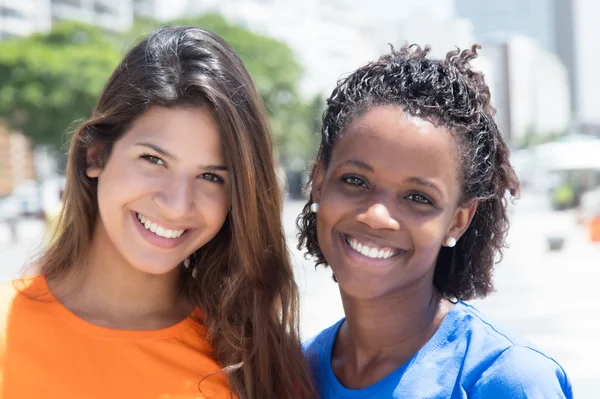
x,y
408,208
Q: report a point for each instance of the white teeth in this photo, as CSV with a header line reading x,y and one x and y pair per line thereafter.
x,y
159,230
373,253
370,252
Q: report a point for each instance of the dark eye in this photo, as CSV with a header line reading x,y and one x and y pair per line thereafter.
x,y
354,181
153,159
418,198
212,177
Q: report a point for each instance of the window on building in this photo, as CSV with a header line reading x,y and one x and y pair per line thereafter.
x,y
101,8
7,12
74,3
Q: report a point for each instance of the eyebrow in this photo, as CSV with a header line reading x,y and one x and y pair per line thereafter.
x,y
425,183
167,154
416,180
358,164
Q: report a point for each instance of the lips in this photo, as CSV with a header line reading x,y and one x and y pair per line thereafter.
x,y
370,249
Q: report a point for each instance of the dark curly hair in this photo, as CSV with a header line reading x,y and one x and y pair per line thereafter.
x,y
450,92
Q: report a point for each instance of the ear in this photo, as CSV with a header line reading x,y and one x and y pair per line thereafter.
x,y
462,220
317,182
94,162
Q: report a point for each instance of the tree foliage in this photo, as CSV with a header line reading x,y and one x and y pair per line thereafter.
x,y
48,81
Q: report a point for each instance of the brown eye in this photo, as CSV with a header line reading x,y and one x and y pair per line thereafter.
x,y
354,181
212,177
418,198
153,159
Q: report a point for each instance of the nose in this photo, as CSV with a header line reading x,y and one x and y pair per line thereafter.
x,y
377,216
175,198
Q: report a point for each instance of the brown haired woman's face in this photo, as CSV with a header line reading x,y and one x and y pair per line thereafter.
x,y
165,190
387,202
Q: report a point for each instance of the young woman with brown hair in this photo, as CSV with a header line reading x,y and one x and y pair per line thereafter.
x,y
169,276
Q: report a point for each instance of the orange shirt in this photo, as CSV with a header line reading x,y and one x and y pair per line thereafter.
x,y
46,352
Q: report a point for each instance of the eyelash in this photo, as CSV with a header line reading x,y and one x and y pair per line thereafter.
x,y
358,181
424,200
211,177
354,181
154,160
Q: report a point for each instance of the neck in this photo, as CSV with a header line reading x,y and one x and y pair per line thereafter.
x,y
397,325
111,292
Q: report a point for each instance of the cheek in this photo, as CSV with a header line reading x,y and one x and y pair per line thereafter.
x,y
213,203
427,235
119,189
333,209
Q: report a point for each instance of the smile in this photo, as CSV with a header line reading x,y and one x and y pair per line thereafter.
x,y
158,229
371,251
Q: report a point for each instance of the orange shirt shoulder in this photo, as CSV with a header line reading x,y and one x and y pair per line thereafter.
x,y
48,352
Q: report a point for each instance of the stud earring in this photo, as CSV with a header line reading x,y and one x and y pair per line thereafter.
x,y
314,207
186,263
450,242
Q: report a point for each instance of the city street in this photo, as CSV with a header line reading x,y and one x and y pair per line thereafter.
x,y
547,296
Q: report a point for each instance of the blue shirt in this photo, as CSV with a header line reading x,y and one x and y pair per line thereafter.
x,y
468,357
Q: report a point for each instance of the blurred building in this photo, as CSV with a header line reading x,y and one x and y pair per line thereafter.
x,y
330,38
496,20
567,28
24,17
16,161
162,9
422,27
111,15
585,29
530,89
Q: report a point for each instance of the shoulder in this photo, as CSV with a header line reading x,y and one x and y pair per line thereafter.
x,y
485,333
13,295
12,290
17,296
523,372
315,347
505,364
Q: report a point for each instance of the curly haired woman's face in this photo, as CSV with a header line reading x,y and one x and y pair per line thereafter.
x,y
387,202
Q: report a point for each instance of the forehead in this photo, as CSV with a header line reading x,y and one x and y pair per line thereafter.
x,y
387,138
179,130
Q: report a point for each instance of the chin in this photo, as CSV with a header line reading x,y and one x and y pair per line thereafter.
x,y
363,287
154,267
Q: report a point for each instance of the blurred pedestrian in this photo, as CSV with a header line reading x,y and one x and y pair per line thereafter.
x,y
408,208
169,275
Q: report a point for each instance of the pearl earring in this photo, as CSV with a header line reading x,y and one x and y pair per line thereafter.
x,y
450,242
314,207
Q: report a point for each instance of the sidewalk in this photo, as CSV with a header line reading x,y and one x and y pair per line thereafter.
x,y
14,257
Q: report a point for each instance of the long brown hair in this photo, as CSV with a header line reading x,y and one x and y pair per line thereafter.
x,y
243,279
